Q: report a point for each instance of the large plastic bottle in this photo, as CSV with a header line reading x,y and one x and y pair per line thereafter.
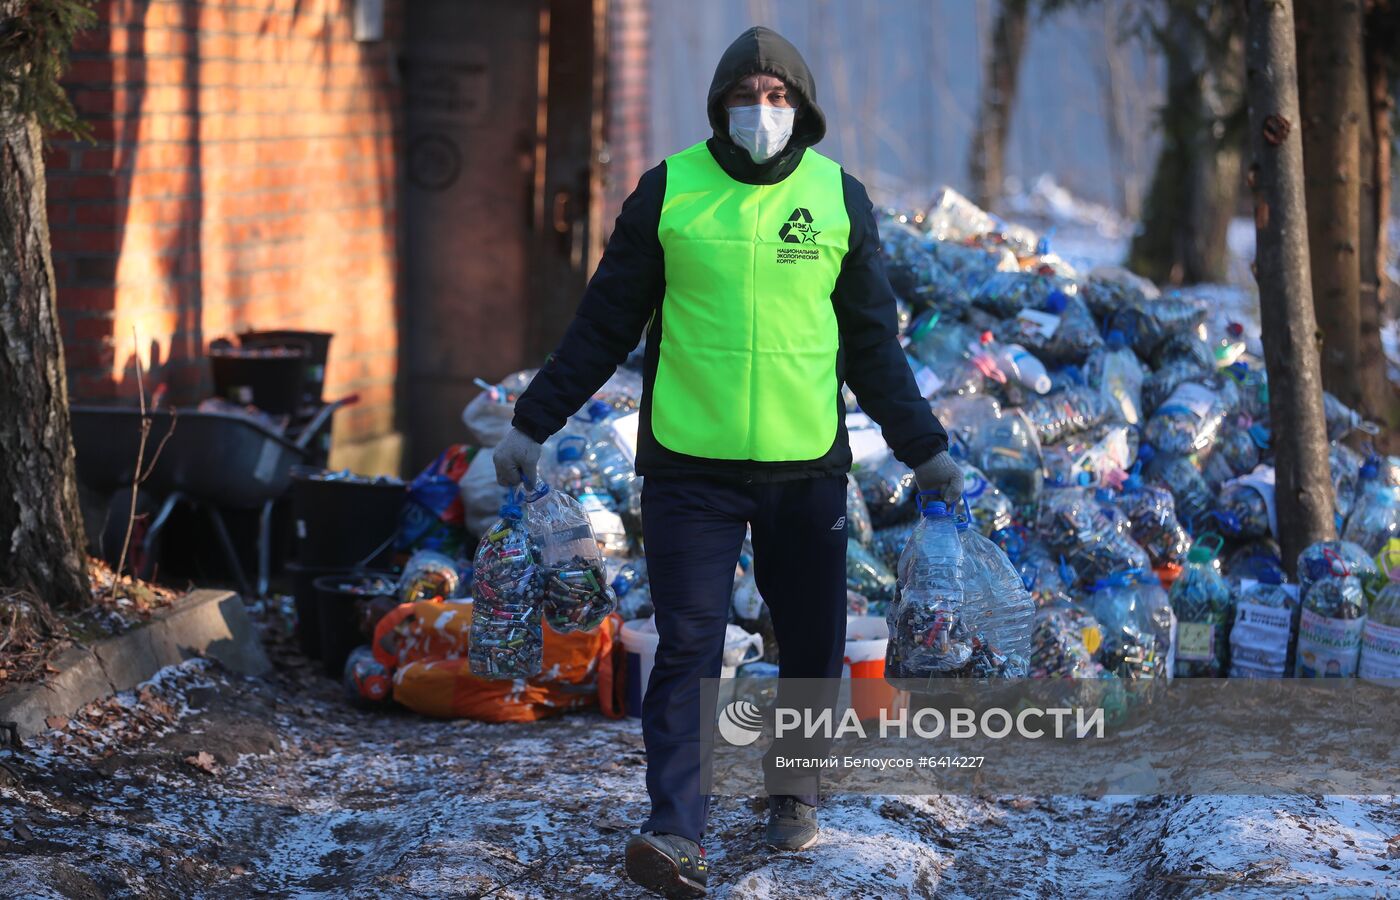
x,y
1266,623
1179,475
858,524
928,636
1243,513
1117,372
999,608
565,468
1138,625
614,466
1380,636
1151,513
888,488
1075,408
1188,420
1331,577
1375,513
1204,608
1094,539
1017,363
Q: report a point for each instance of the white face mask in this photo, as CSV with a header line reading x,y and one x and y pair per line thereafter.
x,y
761,130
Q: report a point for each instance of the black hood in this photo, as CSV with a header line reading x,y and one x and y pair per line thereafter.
x,y
764,50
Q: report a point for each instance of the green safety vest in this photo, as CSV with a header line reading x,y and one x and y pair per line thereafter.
x,y
747,364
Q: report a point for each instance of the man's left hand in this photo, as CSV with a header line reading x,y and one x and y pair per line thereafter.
x,y
943,475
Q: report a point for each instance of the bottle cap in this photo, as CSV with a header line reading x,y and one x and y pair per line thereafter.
x,y
1115,340
986,338
598,410
1056,302
936,508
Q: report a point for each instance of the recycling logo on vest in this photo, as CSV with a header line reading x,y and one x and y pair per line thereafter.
x,y
798,228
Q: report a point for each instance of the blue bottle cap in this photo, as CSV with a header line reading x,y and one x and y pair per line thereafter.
x,y
1116,340
598,410
1056,302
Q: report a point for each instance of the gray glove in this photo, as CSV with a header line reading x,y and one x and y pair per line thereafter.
x,y
942,474
517,453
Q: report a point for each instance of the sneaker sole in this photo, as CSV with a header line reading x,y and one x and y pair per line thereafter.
x,y
794,849
655,871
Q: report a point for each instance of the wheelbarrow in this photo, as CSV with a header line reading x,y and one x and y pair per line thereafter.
x,y
210,460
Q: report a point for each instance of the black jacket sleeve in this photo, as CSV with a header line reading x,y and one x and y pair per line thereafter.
x,y
876,368
620,298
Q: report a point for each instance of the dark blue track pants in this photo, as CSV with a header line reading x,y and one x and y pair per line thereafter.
x,y
694,531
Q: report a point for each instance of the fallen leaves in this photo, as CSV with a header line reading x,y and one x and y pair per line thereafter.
x,y
204,761
56,721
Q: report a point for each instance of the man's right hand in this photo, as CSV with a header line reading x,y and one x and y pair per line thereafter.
x,y
516,456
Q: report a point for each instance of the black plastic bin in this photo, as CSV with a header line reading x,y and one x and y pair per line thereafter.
x,y
340,600
308,605
344,524
316,344
269,379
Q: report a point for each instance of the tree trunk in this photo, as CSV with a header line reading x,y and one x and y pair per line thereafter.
x,y
41,528
1195,187
1114,81
1305,501
1380,402
1001,69
1330,78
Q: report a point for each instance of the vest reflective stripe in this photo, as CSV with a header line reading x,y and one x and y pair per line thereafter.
x,y
747,360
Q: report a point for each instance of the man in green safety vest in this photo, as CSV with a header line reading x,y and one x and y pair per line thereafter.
x,y
752,264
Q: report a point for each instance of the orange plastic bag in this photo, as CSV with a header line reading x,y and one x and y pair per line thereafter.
x,y
425,645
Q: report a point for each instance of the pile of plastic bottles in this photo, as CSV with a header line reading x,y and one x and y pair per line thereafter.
x,y
1118,449
1107,429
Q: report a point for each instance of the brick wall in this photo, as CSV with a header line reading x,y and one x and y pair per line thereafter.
x,y
628,125
243,176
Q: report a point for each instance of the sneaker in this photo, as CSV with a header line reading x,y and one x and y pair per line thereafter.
x,y
792,824
668,864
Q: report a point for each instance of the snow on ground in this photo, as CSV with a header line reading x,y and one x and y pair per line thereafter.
x,y
303,796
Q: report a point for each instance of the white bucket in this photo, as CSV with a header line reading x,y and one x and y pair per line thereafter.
x,y
639,639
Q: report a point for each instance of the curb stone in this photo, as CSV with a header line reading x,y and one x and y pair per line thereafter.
x,y
207,623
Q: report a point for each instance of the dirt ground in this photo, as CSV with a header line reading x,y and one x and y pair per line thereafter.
x,y
204,784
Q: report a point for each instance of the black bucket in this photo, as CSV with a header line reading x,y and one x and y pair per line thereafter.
x,y
316,344
340,600
308,606
344,524
269,379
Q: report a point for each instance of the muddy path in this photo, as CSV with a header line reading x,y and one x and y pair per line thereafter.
x,y
203,784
